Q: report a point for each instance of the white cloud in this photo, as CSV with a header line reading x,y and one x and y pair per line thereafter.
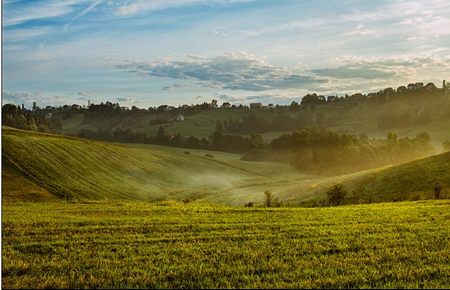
x,y
32,10
27,99
139,6
82,13
360,30
354,73
233,71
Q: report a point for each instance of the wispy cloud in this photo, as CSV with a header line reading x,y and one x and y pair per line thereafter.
x,y
32,10
82,13
360,30
27,99
140,6
371,73
234,71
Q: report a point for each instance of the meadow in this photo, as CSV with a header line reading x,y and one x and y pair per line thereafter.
x,y
177,245
79,169
44,167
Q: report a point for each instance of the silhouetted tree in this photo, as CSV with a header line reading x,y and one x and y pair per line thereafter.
x,y
268,198
336,194
437,190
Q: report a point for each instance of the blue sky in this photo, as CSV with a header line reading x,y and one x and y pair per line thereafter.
x,y
153,52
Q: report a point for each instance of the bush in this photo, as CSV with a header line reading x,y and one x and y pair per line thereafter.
x,y
268,198
336,194
249,204
437,190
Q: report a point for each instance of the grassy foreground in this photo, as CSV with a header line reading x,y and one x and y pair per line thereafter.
x,y
177,245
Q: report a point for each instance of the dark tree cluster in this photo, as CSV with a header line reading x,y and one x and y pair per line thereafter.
x,y
21,118
317,149
251,124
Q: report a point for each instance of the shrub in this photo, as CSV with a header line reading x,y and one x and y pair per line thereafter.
x,y
249,204
336,194
268,198
437,190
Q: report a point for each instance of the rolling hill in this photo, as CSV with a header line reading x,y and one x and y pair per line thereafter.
x,y
41,167
78,169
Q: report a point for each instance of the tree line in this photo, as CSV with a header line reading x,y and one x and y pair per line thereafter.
x,y
319,150
22,118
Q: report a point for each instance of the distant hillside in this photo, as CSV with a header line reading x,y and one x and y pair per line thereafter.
x,y
79,169
42,167
407,181
406,111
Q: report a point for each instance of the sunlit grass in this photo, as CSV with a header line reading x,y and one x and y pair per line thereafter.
x,y
175,245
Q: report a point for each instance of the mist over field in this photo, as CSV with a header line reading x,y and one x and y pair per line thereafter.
x,y
225,144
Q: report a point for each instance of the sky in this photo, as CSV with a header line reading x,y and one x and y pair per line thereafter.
x,y
153,52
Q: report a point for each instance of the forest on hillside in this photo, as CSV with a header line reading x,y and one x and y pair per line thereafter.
x,y
312,145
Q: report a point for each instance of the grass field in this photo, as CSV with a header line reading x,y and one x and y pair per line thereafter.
x,y
79,169
43,167
173,245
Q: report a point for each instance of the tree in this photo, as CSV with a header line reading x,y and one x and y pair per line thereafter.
x,y
437,190
219,128
160,136
336,194
268,198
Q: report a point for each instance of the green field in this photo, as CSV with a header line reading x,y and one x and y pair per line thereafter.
x,y
88,214
40,167
175,245
78,169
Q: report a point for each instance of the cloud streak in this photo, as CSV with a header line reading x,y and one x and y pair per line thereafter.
x,y
233,71
140,6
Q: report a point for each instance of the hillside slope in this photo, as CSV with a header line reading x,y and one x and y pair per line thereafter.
x,y
406,181
43,166
78,169
18,187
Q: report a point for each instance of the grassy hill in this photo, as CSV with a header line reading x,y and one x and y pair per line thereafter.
x,y
412,180
408,181
353,117
18,187
44,166
78,169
